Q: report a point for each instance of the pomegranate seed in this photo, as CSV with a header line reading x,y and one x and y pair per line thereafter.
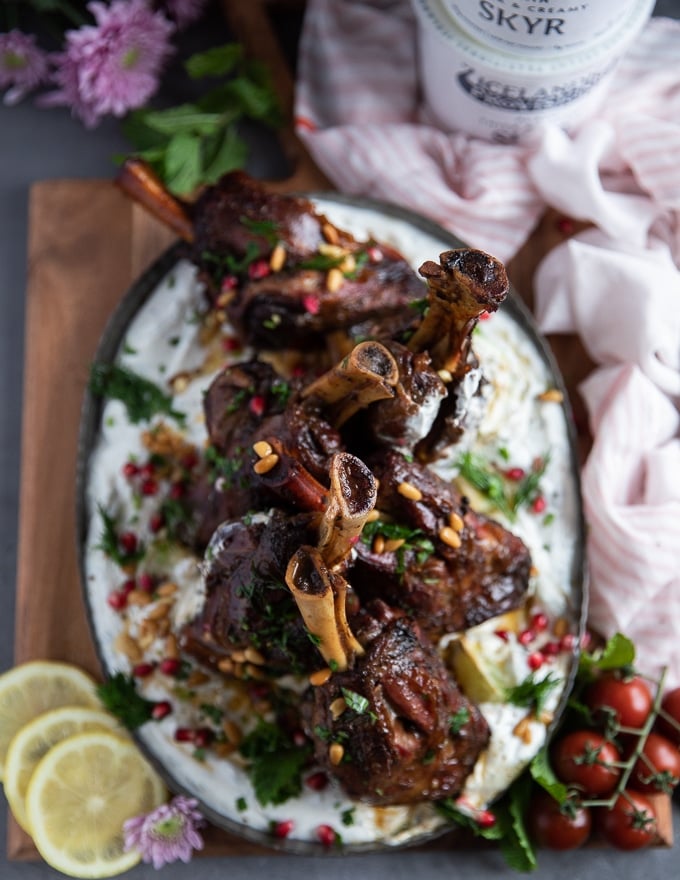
x,y
156,522
539,621
526,636
160,710
130,470
375,255
149,487
536,660
257,405
539,504
550,649
326,835
229,282
142,670
185,734
502,634
299,739
565,225
147,582
117,600
298,371
203,737
317,781
283,829
485,819
515,473
568,642
170,666
177,491
189,461
231,343
128,542
311,304
259,269
484,316
148,470
128,586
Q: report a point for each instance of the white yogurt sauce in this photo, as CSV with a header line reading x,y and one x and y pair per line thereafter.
x,y
163,341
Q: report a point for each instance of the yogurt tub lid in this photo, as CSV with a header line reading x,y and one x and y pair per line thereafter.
x,y
435,19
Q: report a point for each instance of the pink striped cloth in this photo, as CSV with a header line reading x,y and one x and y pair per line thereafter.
x,y
617,286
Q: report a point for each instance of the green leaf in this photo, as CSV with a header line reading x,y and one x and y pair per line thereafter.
x,y
183,118
140,133
543,774
253,100
356,702
119,695
218,61
141,398
530,485
228,153
617,653
532,693
183,163
276,764
516,845
453,813
110,545
475,470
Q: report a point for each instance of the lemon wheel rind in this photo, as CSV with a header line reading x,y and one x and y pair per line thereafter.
x,y
56,854
82,719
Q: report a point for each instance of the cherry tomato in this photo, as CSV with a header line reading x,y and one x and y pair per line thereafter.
x,y
658,767
630,823
671,706
584,759
628,699
555,827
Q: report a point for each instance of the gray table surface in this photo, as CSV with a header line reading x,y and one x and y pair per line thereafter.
x,y
38,145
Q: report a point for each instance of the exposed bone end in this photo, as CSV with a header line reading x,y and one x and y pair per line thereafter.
x,y
321,599
352,497
368,373
139,181
464,284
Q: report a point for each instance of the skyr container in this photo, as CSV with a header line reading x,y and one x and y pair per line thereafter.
x,y
472,88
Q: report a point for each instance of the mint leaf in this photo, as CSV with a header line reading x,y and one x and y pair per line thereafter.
x,y
617,653
183,163
227,153
184,118
218,61
516,845
543,774
449,810
275,763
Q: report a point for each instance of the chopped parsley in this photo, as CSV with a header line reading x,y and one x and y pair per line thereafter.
x,y
532,693
275,763
458,720
111,545
119,695
221,265
322,262
142,399
265,228
227,469
414,540
491,483
281,391
347,816
356,702
214,713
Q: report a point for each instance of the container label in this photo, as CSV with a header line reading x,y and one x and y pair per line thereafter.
x,y
523,99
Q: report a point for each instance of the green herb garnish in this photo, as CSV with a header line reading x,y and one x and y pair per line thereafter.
x,y
275,763
356,702
267,229
197,142
532,692
414,540
458,720
141,398
110,544
473,469
119,695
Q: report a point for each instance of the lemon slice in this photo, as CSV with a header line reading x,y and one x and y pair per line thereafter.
x,y
80,795
32,688
36,738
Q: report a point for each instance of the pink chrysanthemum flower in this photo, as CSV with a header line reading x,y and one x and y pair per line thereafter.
x,y
167,834
23,66
111,67
184,12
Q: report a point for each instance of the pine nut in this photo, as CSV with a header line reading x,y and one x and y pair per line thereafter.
x,y
278,258
125,644
238,656
445,375
167,589
394,544
348,265
337,707
456,522
319,677
330,233
561,627
226,665
179,384
171,647
378,545
522,729
232,732
335,753
159,610
254,656
450,537
264,465
262,449
332,250
373,516
139,597
552,395
408,490
334,280
197,677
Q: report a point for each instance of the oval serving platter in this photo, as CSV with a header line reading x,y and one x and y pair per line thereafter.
x,y
153,332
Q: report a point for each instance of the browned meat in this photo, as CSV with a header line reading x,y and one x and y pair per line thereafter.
x,y
406,732
446,587
247,603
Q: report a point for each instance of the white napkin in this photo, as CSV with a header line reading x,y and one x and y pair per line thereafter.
x,y
617,286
